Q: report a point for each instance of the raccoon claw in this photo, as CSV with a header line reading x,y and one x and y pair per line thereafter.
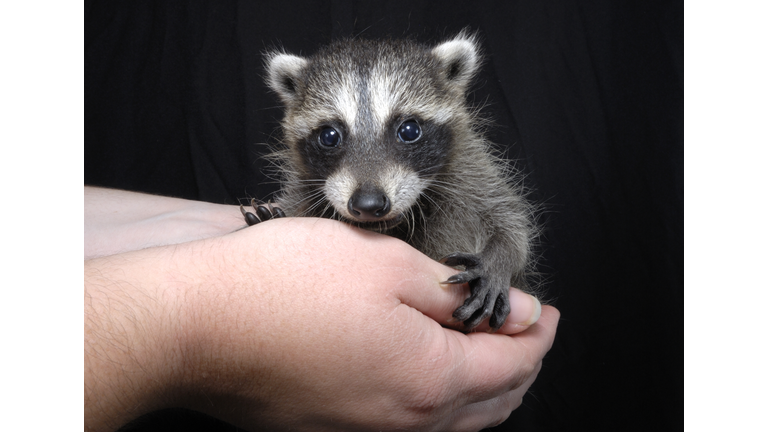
x,y
463,277
488,298
250,218
263,213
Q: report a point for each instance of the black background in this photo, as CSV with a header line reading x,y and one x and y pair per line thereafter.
x,y
586,97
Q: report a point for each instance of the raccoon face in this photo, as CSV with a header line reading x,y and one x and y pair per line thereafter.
x,y
374,181
374,121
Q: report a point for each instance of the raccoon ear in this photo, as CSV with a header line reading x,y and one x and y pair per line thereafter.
x,y
284,74
459,59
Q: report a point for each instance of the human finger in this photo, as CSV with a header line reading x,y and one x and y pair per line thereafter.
x,y
493,364
525,310
427,293
494,411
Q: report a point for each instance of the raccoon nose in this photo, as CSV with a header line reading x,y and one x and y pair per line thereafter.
x,y
368,205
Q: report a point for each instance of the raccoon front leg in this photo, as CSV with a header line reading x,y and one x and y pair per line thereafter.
x,y
488,274
489,295
263,213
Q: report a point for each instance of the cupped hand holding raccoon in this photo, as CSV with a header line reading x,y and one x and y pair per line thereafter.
x,y
300,324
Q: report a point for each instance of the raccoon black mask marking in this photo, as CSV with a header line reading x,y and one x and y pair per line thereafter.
x,y
378,134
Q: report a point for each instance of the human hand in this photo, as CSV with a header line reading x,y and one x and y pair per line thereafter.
x,y
118,221
310,324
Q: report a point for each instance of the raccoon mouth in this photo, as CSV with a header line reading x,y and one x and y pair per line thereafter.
x,y
379,225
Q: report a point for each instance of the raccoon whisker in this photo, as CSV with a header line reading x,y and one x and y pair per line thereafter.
x,y
410,223
449,190
334,214
309,195
450,194
426,233
319,200
318,203
423,218
433,204
310,181
313,197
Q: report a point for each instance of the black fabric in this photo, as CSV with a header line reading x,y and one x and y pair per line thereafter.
x,y
586,96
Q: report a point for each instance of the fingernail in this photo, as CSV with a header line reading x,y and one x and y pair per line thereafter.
x,y
526,308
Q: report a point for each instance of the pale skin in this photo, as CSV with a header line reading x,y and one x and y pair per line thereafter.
x,y
292,324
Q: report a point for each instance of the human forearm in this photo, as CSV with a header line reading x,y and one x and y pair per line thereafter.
x,y
129,345
119,221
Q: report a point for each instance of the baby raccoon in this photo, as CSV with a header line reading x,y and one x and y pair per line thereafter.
x,y
378,134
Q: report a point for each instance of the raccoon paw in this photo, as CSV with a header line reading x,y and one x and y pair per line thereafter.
x,y
263,213
489,295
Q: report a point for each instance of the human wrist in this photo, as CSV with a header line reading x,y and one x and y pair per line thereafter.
x,y
132,344
218,333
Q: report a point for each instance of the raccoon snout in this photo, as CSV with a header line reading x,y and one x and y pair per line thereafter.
x,y
369,205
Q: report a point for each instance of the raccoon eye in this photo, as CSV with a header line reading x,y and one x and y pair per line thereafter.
x,y
409,131
329,137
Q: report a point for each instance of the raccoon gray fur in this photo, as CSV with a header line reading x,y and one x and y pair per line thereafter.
x,y
378,133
